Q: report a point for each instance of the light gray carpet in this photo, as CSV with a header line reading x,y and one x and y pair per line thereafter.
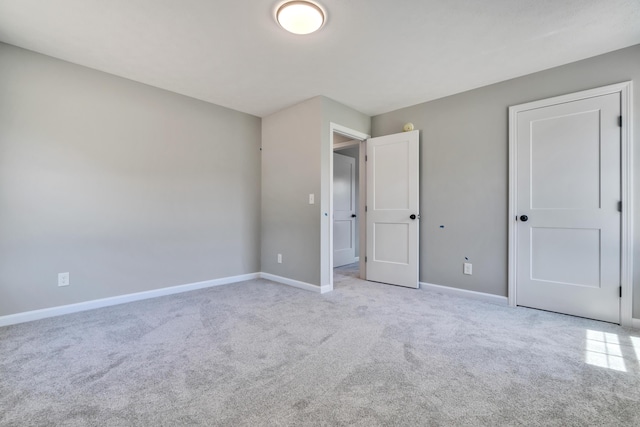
x,y
367,354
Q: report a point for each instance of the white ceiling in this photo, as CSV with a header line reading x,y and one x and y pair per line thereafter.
x,y
372,55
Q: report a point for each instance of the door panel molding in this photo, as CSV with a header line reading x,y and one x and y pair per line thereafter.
x,y
625,89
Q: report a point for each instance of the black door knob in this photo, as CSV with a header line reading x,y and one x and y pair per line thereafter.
x,y
524,218
412,216
353,215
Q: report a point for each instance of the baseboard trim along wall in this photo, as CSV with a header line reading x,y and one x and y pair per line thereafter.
x,y
481,296
296,283
635,323
29,316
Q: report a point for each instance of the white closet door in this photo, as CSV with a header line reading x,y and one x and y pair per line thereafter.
x,y
568,183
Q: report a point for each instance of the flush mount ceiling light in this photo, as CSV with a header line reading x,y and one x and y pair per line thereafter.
x,y
300,17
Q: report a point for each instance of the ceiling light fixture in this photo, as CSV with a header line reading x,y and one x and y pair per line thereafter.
x,y
300,17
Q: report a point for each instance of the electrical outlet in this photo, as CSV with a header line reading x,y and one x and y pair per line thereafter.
x,y
279,258
468,268
63,279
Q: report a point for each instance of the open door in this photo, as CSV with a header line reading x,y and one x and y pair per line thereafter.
x,y
392,209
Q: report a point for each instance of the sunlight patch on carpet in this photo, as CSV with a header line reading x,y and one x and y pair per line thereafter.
x,y
603,349
635,341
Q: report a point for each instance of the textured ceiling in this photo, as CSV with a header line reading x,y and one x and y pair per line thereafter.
x,y
372,55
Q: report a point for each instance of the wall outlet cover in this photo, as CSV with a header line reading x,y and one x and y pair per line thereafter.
x,y
468,268
63,279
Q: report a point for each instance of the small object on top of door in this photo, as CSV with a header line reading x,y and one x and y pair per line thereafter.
x,y
408,127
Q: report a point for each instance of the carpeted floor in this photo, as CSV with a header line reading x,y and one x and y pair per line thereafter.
x,y
259,353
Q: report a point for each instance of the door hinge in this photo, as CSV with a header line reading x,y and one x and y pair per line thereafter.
x,y
366,208
620,121
366,157
620,206
620,291
365,260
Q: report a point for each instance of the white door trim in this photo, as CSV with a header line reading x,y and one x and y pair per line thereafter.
x,y
626,110
344,145
326,238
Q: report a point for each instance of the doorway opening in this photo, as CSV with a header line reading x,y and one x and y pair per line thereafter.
x,y
347,239
346,208
389,231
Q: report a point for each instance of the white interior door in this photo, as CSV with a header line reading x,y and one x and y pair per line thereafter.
x,y
344,210
568,190
392,209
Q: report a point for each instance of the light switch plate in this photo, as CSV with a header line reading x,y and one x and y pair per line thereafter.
x,y
312,199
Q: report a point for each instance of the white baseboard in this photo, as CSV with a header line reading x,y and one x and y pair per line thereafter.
x,y
29,316
447,290
635,323
326,288
296,283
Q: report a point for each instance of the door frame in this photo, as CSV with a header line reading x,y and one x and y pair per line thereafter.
x,y
326,256
625,89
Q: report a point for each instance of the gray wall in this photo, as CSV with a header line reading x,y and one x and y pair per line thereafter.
x,y
127,187
290,172
464,168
